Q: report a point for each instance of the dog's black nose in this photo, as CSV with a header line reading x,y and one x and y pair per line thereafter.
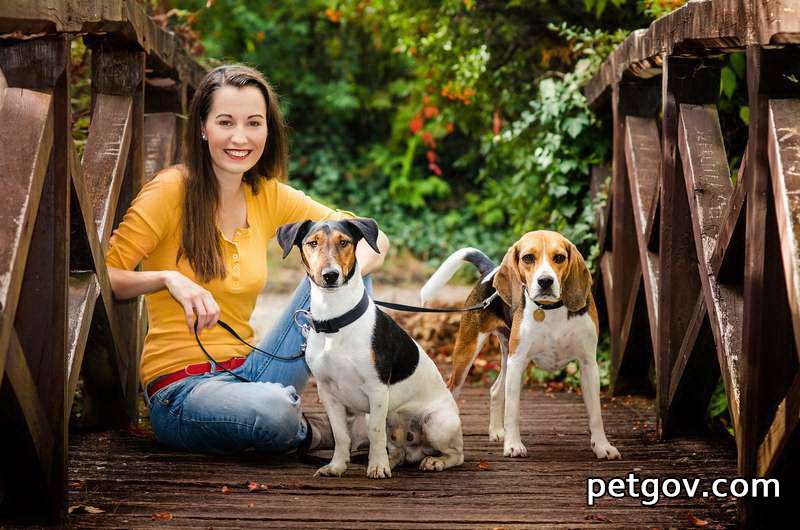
x,y
545,282
330,277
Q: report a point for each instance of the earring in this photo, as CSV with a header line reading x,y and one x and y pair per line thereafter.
x,y
203,135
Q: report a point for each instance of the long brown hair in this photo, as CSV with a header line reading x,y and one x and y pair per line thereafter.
x,y
200,240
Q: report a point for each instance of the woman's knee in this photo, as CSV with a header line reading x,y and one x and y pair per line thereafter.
x,y
277,417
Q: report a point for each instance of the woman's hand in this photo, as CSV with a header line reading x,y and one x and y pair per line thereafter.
x,y
194,299
368,260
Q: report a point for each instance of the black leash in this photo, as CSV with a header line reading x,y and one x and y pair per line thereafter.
x,y
333,325
415,309
232,331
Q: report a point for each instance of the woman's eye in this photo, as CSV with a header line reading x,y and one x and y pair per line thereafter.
x,y
559,258
225,123
255,124
528,258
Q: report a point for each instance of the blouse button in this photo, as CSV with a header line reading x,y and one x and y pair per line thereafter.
x,y
236,256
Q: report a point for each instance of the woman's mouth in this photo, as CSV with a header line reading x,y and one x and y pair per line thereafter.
x,y
237,154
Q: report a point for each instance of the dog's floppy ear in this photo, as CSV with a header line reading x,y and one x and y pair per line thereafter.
x,y
364,227
507,280
577,282
292,234
509,286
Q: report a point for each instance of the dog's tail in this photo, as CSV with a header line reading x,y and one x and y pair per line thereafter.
x,y
446,270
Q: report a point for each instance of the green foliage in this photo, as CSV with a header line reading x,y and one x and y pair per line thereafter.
x,y
426,115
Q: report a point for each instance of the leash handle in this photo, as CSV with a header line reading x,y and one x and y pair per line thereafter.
x,y
213,362
224,325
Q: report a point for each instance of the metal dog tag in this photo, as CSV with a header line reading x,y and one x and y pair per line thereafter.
x,y
538,315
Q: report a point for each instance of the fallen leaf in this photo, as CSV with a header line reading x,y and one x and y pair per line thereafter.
x,y
697,521
161,516
251,505
75,485
595,517
484,465
226,490
81,508
252,486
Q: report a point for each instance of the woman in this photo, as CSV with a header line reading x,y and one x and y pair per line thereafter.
x,y
200,232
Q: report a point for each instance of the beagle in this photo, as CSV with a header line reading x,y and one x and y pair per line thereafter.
x,y
545,313
365,363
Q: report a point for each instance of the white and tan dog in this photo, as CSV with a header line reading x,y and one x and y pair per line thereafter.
x,y
545,314
365,363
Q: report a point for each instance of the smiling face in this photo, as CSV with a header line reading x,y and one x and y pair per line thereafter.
x,y
236,129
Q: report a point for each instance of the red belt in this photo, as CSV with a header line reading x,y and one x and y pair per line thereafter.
x,y
192,369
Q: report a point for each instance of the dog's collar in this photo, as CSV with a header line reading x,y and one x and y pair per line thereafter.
x,y
546,307
333,325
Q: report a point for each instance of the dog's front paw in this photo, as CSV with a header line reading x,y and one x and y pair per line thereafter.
x,y
432,463
379,469
604,450
331,470
496,435
515,449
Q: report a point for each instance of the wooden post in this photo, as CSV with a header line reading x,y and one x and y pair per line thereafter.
x,y
631,346
684,80
41,65
114,172
769,364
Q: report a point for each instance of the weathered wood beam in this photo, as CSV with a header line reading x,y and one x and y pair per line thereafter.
x,y
42,65
105,157
33,411
629,99
709,190
83,293
698,314
653,219
161,138
784,424
124,20
695,81
757,187
643,152
784,159
88,212
727,260
24,158
700,27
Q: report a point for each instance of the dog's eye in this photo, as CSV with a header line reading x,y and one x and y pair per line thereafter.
x,y
528,258
312,244
343,243
559,258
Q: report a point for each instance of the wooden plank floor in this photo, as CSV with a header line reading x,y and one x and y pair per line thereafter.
x,y
131,478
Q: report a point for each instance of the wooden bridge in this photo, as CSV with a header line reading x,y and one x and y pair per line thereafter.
x,y
699,278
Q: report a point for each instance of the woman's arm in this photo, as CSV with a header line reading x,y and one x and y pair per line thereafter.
x,y
368,259
194,298
130,284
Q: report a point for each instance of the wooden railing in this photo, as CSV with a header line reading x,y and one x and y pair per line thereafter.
x,y
701,274
58,318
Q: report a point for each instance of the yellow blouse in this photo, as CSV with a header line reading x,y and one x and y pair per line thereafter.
x,y
150,233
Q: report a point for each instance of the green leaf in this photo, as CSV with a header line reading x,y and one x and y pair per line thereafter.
x,y
727,81
738,63
744,114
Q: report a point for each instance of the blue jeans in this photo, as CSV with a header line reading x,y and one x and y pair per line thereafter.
x,y
217,413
